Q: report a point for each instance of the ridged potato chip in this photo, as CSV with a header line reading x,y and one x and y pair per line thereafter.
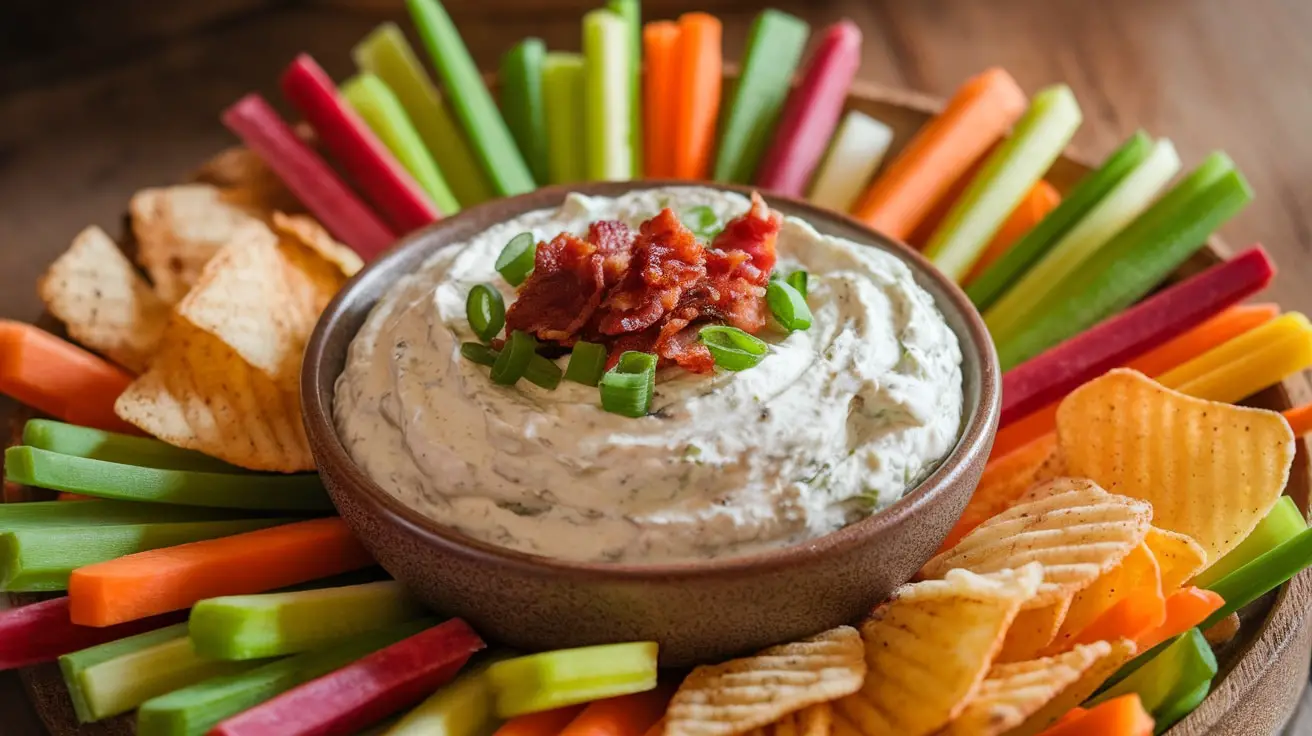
x,y
1138,571
1118,653
1178,557
1033,630
741,695
1003,481
1013,692
1077,532
813,720
1210,470
103,302
929,647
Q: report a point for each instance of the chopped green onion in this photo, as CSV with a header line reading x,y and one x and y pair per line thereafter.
x,y
702,221
798,280
514,358
543,372
486,311
586,364
733,349
788,306
479,353
516,260
626,389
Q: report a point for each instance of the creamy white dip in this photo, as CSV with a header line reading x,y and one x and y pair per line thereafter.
x,y
835,422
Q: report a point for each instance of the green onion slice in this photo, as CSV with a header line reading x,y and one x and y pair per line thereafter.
x,y
514,358
543,372
788,306
626,389
733,349
516,260
702,221
486,311
797,280
478,353
586,364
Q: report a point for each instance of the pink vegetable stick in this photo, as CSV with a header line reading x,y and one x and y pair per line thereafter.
x,y
308,176
43,632
365,691
381,177
1112,342
811,112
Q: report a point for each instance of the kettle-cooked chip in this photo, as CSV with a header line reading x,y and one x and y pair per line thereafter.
x,y
1178,556
1093,676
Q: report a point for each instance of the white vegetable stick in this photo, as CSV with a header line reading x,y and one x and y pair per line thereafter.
x,y
854,155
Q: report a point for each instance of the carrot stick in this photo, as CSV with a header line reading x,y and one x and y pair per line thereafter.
x,y
660,85
627,715
697,96
59,378
975,118
1003,481
172,578
1123,716
544,723
1131,617
925,230
1185,609
1300,419
1039,201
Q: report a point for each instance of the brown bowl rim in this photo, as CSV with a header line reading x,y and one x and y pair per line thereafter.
x,y
317,390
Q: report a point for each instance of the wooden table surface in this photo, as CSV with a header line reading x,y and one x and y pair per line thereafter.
x,y
99,98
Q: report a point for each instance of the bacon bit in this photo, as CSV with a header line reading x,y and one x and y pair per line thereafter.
x,y
667,259
562,293
753,234
614,241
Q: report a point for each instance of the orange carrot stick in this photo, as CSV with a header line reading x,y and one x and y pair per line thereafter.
x,y
1003,481
925,230
980,112
1185,609
1300,419
1071,715
59,378
174,578
1131,617
627,715
697,96
1039,201
544,723
660,85
1123,716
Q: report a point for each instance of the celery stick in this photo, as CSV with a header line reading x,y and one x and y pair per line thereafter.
x,y
116,677
1123,203
631,12
43,469
383,113
42,559
192,710
478,114
990,285
460,708
1282,523
386,53
606,96
1007,174
521,101
97,444
254,626
562,97
1259,577
555,679
854,155
1176,708
42,515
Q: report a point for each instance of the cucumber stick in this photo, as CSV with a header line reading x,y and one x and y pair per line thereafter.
x,y
116,677
606,95
1282,523
255,626
631,12
1002,182
562,100
45,515
43,469
520,76
42,559
556,679
97,444
460,708
1116,210
192,710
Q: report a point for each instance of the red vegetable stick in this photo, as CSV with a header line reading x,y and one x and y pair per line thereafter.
x,y
43,632
365,691
626,715
697,94
385,182
1041,199
59,378
171,578
1300,419
660,85
1059,370
1123,716
544,723
1185,609
811,112
308,176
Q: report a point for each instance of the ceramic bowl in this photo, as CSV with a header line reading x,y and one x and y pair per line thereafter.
x,y
698,611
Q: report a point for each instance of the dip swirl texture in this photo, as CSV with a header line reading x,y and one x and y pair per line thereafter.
x,y
835,422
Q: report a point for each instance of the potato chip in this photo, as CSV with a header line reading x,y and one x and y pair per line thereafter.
x,y
813,720
1178,557
199,394
929,647
1033,630
1077,534
103,302
1137,572
840,726
309,233
1003,481
179,229
1013,692
1118,653
1210,470
745,694
245,180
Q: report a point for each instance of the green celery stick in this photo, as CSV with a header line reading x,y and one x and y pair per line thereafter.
x,y
97,444
1282,523
273,624
487,131
386,53
462,707
1180,706
32,467
1129,266
1174,672
774,47
116,677
385,116
606,97
42,559
631,12
1007,174
43,515
991,284
851,161
521,101
1266,573
556,679
562,98
1113,213
192,710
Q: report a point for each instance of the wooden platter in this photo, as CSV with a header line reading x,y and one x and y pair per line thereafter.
x,y
1263,670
